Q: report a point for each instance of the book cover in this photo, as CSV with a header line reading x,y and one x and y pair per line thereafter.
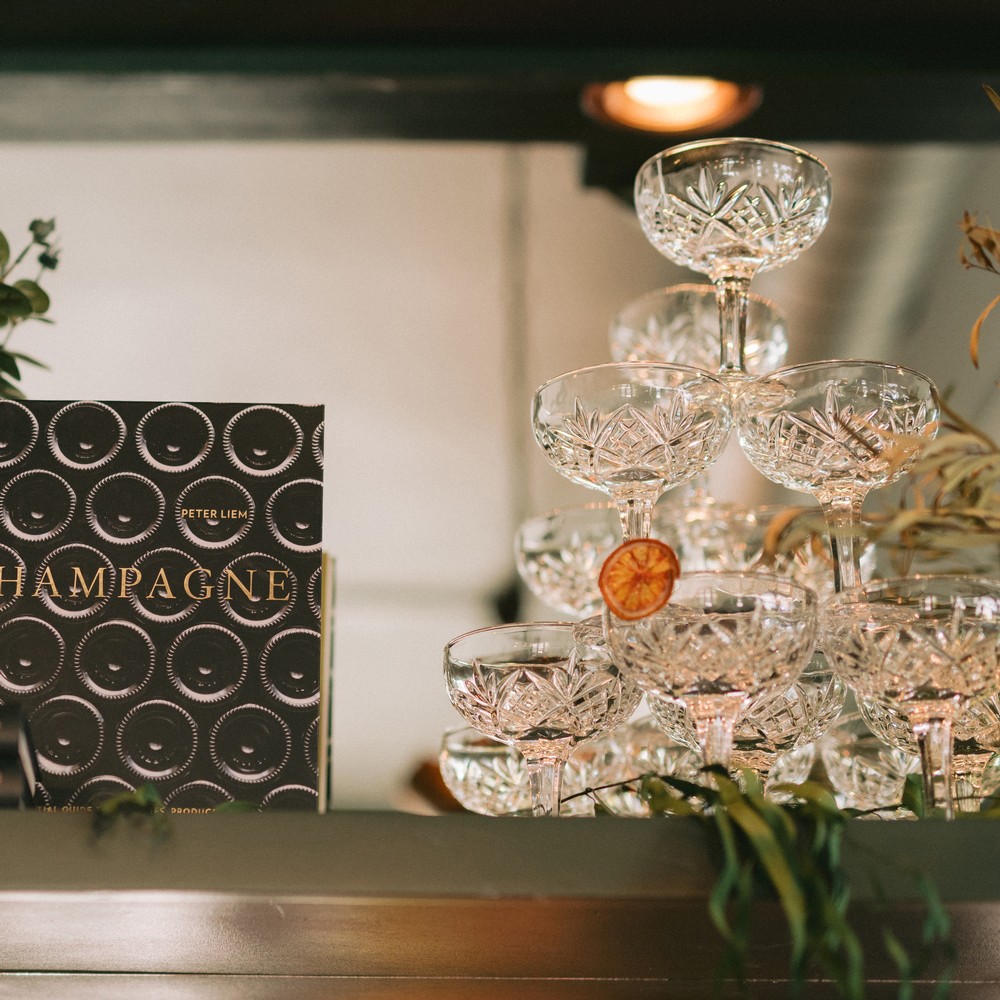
x,y
161,592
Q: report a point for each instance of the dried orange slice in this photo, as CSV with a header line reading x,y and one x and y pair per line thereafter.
x,y
638,577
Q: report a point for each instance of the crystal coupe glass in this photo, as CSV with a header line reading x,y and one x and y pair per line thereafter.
x,y
770,726
975,740
865,772
722,640
632,430
836,430
926,646
543,687
680,325
729,208
491,778
559,555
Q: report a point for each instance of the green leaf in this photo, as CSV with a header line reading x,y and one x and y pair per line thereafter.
x,y
28,360
901,959
42,229
733,883
913,795
8,365
13,302
655,792
691,790
35,295
237,806
4,252
813,792
9,391
779,872
143,803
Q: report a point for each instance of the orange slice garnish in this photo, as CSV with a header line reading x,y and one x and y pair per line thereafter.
x,y
638,577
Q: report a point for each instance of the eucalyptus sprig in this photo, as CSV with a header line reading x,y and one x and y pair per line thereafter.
x,y
792,851
23,298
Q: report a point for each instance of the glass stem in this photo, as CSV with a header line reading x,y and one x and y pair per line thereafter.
x,y
934,740
732,295
843,518
715,722
545,784
967,785
636,513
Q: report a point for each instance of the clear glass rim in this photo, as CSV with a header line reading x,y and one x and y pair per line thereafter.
x,y
828,363
982,585
784,584
571,510
784,587
707,144
505,628
458,735
697,374
703,288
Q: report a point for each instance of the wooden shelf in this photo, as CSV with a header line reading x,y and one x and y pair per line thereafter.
x,y
378,905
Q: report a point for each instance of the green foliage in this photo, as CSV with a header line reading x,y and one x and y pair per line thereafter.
x,y
143,805
792,852
23,298
237,806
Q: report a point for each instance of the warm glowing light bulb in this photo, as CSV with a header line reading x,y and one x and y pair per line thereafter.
x,y
671,103
670,91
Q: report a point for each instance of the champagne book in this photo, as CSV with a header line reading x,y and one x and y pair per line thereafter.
x,y
162,599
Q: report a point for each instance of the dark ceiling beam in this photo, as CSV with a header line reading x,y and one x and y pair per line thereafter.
x,y
955,33
888,71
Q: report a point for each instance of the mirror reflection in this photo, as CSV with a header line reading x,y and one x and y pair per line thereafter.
x,y
422,292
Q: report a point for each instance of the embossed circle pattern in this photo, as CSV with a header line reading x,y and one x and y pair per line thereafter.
x,y
125,508
158,585
86,434
207,663
157,739
115,659
18,432
68,734
295,515
175,437
37,506
31,655
251,743
262,440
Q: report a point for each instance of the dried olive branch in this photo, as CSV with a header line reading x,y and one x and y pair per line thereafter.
x,y
980,250
951,496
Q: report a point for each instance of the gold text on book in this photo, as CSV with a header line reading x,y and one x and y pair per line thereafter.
x,y
253,584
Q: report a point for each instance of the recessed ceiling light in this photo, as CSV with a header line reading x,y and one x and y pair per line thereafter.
x,y
671,103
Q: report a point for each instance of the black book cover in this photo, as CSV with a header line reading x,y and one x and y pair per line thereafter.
x,y
161,598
